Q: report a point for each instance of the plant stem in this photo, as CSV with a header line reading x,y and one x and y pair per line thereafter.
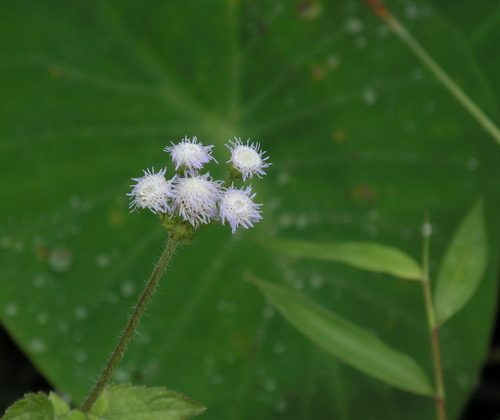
x,y
439,393
455,90
131,326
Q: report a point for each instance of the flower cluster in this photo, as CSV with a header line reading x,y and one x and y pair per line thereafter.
x,y
197,199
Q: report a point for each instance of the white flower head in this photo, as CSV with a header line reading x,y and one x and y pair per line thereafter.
x,y
196,198
189,156
247,159
152,191
238,209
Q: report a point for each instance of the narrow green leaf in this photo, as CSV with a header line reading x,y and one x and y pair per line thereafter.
x,y
125,402
365,255
31,407
463,266
347,341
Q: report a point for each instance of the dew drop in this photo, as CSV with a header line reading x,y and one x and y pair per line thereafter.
x,y
217,379
430,106
332,62
37,346
59,260
39,282
81,356
302,221
316,282
369,96
143,338
411,10
426,230
42,318
472,164
122,375
150,368
279,347
81,313
463,380
103,261
409,125
417,74
79,204
127,288
284,178
281,405
75,202
11,309
285,220
353,25
270,385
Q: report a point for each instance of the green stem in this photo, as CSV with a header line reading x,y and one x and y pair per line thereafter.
x,y
439,393
131,326
383,13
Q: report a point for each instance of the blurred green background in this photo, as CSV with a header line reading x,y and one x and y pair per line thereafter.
x,y
364,143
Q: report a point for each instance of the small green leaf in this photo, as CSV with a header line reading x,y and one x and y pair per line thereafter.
x,y
60,406
31,407
463,266
347,341
125,402
74,415
62,410
365,255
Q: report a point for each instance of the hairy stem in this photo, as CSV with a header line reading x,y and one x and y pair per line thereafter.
x,y
131,326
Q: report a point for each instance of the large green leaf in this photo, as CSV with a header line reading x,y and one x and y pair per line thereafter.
x,y
31,407
365,255
363,142
348,341
463,266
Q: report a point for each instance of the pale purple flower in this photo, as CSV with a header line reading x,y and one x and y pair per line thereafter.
x,y
238,209
189,156
152,191
196,198
247,159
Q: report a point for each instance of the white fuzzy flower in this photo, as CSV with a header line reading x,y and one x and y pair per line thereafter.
x,y
247,159
189,156
196,198
238,209
152,191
